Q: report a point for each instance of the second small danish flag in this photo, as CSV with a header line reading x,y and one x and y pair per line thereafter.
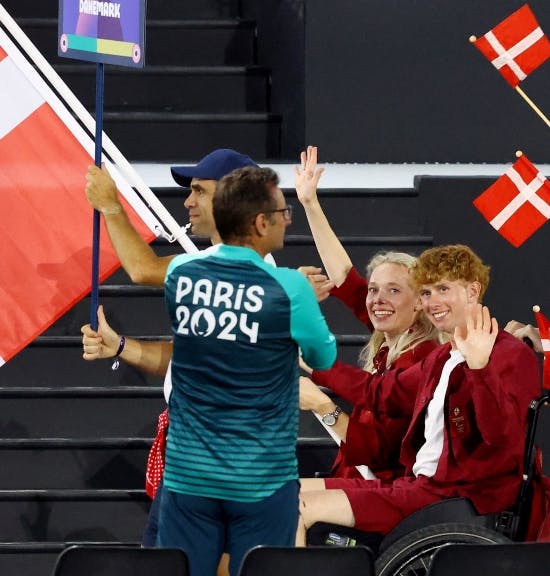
x,y
518,203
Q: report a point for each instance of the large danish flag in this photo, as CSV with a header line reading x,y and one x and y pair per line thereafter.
x,y
518,203
46,222
516,46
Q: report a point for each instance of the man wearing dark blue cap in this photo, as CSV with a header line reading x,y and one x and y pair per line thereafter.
x,y
213,166
202,180
136,256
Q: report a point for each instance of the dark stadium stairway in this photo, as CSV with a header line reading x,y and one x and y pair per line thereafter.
x,y
202,86
74,436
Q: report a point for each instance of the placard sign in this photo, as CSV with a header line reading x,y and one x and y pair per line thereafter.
x,y
109,32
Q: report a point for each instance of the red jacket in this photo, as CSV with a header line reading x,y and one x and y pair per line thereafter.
x,y
485,421
373,437
484,435
353,293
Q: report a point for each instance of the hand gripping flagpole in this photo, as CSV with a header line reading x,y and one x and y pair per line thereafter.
x,y
99,88
530,102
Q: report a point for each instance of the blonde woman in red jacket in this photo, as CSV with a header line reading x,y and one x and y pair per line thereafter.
x,y
401,337
390,307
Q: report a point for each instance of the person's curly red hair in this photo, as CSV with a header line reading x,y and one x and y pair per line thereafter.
x,y
452,262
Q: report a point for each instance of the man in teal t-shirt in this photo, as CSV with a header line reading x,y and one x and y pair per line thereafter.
x,y
231,478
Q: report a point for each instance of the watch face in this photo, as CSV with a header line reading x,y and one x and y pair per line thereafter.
x,y
329,419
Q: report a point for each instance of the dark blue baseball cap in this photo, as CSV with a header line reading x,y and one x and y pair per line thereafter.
x,y
213,166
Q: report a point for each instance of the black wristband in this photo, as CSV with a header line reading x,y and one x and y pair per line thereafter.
x,y
121,345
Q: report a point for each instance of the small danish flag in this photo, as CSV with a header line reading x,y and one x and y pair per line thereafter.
x,y
516,46
518,203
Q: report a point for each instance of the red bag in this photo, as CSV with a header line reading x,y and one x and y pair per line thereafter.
x,y
155,460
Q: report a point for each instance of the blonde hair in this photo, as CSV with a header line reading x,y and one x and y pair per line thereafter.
x,y
420,331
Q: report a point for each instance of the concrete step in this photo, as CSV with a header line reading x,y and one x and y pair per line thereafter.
x,y
197,90
165,9
45,363
300,249
111,463
135,311
85,413
56,361
169,42
80,413
111,515
352,212
167,137
73,515
94,463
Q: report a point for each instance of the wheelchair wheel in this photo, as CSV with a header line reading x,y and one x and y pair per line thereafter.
x,y
412,554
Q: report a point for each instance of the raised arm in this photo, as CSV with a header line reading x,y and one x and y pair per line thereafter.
x,y
136,256
335,259
503,378
476,340
151,357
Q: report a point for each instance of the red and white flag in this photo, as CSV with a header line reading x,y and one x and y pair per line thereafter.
x,y
518,203
46,221
544,330
516,46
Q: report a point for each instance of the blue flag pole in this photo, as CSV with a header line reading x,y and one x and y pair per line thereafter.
x,y
96,221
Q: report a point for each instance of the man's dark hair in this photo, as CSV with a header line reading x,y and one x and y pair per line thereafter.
x,y
241,195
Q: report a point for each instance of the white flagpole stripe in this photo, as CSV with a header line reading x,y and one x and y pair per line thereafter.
x,y
545,345
527,193
502,53
133,199
178,232
27,73
523,45
17,96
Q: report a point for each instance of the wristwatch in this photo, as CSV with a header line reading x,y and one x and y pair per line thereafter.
x,y
331,418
